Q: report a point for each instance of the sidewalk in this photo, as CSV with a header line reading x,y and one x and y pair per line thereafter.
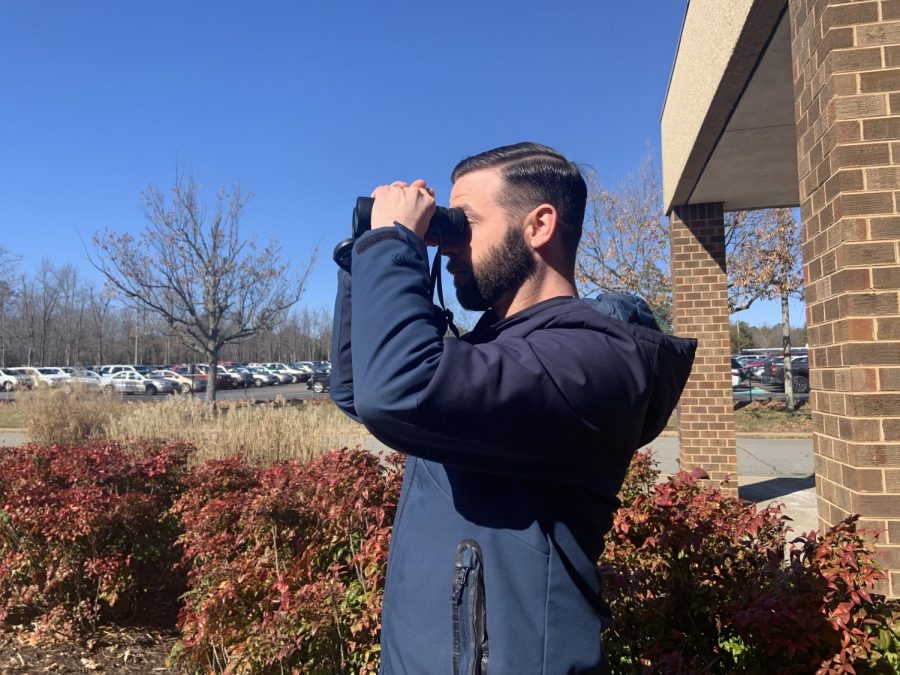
x,y
12,437
770,470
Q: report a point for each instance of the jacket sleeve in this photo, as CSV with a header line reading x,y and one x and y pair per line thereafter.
x,y
341,353
510,406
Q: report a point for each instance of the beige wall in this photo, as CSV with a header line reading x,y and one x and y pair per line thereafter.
x,y
709,37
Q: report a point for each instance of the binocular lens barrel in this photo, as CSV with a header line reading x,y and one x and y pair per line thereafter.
x,y
445,224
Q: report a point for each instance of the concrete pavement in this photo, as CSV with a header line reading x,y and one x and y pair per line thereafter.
x,y
770,471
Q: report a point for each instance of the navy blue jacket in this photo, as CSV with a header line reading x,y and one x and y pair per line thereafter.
x,y
518,436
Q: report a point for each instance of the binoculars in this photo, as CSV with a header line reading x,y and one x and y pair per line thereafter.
x,y
446,223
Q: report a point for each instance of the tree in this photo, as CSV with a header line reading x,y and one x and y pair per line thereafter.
x,y
625,242
194,270
7,294
767,263
741,337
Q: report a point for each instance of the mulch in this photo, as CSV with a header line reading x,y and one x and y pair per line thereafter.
x,y
111,650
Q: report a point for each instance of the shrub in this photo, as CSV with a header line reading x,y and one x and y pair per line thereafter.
x,y
86,534
697,582
286,564
69,415
263,433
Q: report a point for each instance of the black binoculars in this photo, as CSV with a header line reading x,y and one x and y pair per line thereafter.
x,y
445,224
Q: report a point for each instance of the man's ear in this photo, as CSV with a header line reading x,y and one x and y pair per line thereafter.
x,y
541,224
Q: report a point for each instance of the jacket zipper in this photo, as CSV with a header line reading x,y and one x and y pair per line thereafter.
x,y
470,645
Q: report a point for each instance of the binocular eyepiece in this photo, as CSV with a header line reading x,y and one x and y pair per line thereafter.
x,y
446,224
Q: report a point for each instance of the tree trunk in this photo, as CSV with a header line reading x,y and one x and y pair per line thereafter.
x,y
213,370
786,342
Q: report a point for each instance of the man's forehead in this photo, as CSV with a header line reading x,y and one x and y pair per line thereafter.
x,y
477,187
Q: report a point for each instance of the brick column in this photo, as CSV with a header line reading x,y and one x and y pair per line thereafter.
x,y
700,299
847,90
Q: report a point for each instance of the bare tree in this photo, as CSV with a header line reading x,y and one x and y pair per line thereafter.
x,y
26,320
625,243
767,263
100,302
193,268
73,299
7,294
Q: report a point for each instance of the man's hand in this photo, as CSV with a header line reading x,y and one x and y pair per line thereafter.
x,y
411,205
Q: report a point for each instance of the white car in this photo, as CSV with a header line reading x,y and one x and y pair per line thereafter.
x,y
86,378
8,381
284,373
106,371
45,377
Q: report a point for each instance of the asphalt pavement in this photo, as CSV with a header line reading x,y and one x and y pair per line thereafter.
x,y
269,393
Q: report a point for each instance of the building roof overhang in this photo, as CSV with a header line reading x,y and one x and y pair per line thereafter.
x,y
728,129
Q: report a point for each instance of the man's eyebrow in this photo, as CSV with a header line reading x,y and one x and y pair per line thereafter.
x,y
468,210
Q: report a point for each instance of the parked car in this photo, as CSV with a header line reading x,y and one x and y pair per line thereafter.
x,y
319,382
85,378
186,383
199,379
737,373
303,370
262,377
799,373
26,379
48,377
223,379
132,382
765,373
282,376
753,366
240,376
285,374
8,381
106,371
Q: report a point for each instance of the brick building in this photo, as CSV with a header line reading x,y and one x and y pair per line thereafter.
x,y
797,103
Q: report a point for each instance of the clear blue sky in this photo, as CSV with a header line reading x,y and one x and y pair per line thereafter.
x,y
307,105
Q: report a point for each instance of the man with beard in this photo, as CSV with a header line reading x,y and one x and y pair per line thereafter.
x,y
517,435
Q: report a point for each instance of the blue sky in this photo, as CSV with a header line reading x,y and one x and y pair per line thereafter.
x,y
307,105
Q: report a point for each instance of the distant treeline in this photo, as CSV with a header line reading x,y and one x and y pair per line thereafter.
x,y
54,317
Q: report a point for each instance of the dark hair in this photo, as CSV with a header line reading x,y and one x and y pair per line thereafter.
x,y
536,174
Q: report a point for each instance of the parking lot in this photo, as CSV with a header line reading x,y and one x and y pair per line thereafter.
x,y
287,391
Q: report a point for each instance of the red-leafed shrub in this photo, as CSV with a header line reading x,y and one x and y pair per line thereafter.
x,y
286,564
698,582
86,533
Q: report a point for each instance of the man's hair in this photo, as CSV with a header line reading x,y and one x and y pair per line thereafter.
x,y
536,174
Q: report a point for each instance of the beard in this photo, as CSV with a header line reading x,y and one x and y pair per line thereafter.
x,y
505,267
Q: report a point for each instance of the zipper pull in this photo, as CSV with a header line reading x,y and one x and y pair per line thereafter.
x,y
462,576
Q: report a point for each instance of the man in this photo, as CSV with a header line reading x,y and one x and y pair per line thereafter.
x,y
518,434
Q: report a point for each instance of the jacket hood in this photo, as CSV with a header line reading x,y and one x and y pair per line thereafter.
x,y
675,357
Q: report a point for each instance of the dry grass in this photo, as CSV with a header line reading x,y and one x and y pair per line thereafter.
x,y
264,433
765,417
769,416
70,415
10,416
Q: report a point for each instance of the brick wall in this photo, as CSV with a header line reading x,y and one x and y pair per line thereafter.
x,y
847,90
700,299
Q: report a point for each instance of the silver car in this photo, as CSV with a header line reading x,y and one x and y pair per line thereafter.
x,y
132,382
